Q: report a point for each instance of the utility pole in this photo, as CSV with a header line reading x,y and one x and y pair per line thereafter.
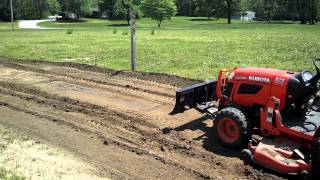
x,y
133,41
11,7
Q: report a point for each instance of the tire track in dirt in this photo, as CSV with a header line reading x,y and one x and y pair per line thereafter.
x,y
129,146
129,121
116,140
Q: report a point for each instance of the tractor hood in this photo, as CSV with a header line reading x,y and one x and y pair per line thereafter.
x,y
262,75
289,87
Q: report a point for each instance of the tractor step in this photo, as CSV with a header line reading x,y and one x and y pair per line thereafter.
x,y
307,124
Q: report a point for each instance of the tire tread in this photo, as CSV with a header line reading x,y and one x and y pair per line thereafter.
x,y
246,126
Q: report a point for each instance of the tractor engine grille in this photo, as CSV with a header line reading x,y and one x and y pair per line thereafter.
x,y
249,88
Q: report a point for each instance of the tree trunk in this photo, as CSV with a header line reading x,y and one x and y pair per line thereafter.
x,y
41,9
78,15
229,4
302,11
159,23
303,20
78,12
312,7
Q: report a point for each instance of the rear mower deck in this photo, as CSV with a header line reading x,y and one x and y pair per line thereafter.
x,y
280,155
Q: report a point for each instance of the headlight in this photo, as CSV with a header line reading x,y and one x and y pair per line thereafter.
x,y
306,76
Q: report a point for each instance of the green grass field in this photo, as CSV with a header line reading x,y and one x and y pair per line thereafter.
x,y
6,25
189,47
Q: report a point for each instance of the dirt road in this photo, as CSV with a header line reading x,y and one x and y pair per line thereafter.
x,y
117,121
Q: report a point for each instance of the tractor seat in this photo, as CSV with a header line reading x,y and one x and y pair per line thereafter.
x,y
308,124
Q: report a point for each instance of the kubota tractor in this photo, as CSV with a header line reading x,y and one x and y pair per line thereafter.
x,y
282,106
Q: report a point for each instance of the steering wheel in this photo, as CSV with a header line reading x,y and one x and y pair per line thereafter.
x,y
314,80
313,83
316,63
315,99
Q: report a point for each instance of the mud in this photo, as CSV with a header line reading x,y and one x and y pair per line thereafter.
x,y
118,121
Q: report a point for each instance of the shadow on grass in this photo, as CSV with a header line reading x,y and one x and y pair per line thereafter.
x,y
203,19
117,25
71,21
276,22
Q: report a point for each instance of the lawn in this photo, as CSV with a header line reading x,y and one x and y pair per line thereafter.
x,y
7,25
189,47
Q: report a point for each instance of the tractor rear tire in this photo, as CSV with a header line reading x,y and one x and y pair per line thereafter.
x,y
232,128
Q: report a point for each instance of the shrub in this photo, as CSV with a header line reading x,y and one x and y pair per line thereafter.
x,y
152,32
69,31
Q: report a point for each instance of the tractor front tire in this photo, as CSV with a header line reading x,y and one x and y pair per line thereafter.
x,y
232,128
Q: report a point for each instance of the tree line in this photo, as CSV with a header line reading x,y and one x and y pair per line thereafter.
x,y
28,9
305,11
38,9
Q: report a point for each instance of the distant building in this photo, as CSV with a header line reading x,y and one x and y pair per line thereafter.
x,y
248,16
68,15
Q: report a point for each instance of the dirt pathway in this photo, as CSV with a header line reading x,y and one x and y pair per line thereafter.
x,y
29,158
32,24
118,121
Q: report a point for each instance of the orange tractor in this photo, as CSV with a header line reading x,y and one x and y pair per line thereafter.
x,y
282,106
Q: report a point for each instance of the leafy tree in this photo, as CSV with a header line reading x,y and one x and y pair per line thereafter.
x,y
318,10
41,8
307,10
313,11
5,13
79,7
298,10
107,6
28,9
120,9
205,8
232,6
187,7
248,5
302,8
53,6
159,10
123,7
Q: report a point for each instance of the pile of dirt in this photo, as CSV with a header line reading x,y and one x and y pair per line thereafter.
x,y
149,76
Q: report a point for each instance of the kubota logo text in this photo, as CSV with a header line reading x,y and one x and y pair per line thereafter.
x,y
259,79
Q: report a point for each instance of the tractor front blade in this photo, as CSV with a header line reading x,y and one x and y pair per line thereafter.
x,y
190,97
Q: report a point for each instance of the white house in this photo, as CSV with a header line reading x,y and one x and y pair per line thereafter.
x,y
248,16
55,17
